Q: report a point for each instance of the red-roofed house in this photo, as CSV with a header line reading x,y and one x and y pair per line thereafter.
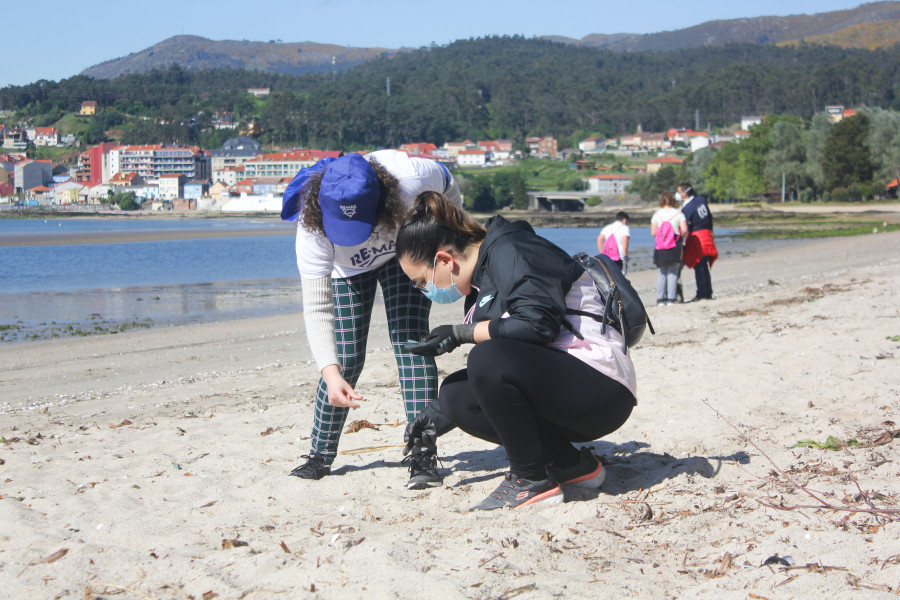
x,y
245,186
454,148
498,150
229,175
126,180
471,158
419,148
320,154
46,136
655,164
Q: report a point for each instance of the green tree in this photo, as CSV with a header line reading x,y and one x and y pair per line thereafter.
x,y
883,143
819,131
785,160
664,179
126,201
720,175
509,189
479,197
846,159
642,185
696,167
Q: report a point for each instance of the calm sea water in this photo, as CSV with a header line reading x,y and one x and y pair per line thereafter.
x,y
44,290
196,261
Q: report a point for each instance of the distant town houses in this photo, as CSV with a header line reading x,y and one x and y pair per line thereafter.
x,y
240,176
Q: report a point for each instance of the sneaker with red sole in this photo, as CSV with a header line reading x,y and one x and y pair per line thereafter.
x,y
588,472
518,491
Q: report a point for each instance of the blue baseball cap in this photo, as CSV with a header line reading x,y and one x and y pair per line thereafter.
x,y
349,196
292,199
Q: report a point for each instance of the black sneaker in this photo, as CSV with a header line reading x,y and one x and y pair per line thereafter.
x,y
588,472
518,491
313,468
423,472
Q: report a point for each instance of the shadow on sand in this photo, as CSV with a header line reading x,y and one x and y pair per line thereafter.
x,y
630,467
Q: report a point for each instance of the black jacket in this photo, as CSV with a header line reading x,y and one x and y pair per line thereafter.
x,y
696,213
520,273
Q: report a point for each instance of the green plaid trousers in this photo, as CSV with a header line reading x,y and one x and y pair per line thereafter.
x,y
407,316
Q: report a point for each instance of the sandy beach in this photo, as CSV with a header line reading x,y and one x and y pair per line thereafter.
x,y
153,463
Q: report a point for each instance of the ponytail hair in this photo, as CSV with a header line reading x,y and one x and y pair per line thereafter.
x,y
433,224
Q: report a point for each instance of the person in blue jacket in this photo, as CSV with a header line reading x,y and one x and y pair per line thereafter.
x,y
543,372
700,246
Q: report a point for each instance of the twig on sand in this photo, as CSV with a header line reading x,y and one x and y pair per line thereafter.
x,y
371,449
515,592
487,560
888,513
99,590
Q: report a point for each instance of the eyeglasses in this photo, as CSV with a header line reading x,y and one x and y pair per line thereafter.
x,y
422,282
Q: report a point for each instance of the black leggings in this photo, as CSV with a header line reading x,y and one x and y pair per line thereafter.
x,y
534,401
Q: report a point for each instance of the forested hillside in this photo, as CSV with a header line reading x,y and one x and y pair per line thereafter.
x,y
498,87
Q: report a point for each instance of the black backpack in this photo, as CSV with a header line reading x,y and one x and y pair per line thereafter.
x,y
623,307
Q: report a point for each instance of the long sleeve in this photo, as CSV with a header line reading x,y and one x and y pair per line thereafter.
x,y
318,314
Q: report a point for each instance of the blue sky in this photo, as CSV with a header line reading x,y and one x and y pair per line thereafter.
x,y
52,39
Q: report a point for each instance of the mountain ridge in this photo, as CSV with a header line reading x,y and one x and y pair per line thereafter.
x,y
855,27
196,52
757,30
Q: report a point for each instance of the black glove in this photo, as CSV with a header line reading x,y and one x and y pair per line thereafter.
x,y
420,432
443,339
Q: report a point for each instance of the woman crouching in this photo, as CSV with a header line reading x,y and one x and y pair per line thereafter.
x,y
541,375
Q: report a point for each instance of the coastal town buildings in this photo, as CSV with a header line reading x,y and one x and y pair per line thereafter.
x,y
153,161
166,174
279,164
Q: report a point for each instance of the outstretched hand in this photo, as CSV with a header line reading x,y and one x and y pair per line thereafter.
x,y
439,341
340,392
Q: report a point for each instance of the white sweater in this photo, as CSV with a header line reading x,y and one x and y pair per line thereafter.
x,y
319,260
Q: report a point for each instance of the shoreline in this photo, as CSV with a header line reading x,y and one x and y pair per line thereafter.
x,y
85,237
28,316
746,212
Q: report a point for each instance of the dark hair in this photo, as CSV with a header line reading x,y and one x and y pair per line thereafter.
x,y
390,208
622,216
435,223
686,188
667,199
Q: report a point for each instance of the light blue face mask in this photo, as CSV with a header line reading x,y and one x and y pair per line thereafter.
x,y
447,295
